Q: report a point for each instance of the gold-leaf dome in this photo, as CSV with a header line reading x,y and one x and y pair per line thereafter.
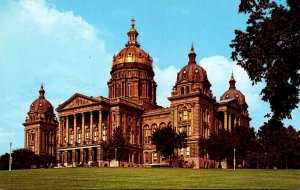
x,y
132,53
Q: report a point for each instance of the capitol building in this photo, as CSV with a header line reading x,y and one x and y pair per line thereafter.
x,y
75,135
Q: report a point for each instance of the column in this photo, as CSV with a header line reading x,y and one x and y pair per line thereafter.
x,y
25,139
59,132
81,156
100,127
67,129
99,155
65,158
75,130
229,122
152,91
132,158
124,124
235,122
58,158
90,155
91,126
82,129
135,130
73,158
225,120
118,119
38,141
192,121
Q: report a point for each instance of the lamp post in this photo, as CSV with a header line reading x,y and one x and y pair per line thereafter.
x,y
234,159
10,158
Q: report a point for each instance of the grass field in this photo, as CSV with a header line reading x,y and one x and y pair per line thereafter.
x,y
147,178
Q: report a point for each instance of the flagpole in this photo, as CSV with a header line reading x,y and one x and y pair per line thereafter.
x,y
10,158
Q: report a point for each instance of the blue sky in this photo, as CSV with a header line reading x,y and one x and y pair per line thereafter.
x,y
68,45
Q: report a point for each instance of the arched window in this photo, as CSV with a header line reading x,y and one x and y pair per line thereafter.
x,y
95,133
147,133
162,124
71,136
129,89
153,127
87,133
119,89
79,136
182,90
104,132
187,89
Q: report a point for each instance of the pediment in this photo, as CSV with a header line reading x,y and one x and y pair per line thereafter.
x,y
77,100
230,102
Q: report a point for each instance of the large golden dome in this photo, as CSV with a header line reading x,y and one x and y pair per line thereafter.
x,y
132,53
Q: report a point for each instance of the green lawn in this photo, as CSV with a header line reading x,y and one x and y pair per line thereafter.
x,y
148,178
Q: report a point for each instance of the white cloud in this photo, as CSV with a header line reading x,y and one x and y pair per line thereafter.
x,y
165,79
4,134
41,44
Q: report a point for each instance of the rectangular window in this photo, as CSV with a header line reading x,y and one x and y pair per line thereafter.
x,y
95,135
185,115
155,156
188,151
79,137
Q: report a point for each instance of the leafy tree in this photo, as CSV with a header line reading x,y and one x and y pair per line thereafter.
x,y
219,146
245,142
4,161
118,145
269,50
167,140
270,137
291,148
24,159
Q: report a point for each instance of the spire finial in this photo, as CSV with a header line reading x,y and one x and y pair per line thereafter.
x,y
132,22
232,82
42,91
192,55
132,35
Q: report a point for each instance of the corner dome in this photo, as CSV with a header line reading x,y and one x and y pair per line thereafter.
x,y
233,93
41,105
132,52
192,72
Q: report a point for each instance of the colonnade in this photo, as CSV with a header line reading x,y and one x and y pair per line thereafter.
x,y
80,129
230,121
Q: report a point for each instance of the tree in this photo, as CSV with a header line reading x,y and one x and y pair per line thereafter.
x,y
245,142
219,146
269,50
118,146
25,159
167,140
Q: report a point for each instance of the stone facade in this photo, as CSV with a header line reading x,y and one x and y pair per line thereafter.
x,y
84,122
40,127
